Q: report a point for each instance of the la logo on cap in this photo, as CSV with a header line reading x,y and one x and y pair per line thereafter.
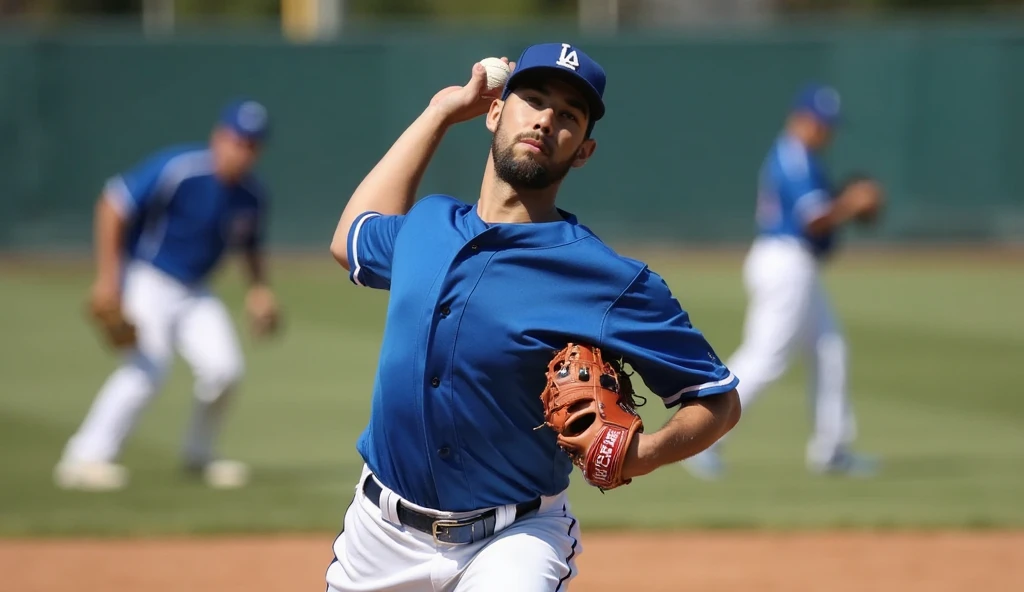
x,y
569,60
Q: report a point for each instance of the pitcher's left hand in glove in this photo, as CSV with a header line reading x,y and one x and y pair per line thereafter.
x,y
589,402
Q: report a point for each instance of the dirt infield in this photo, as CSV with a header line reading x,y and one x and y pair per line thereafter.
x,y
705,562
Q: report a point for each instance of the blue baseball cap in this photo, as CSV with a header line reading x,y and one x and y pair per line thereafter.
x,y
567,61
247,118
820,101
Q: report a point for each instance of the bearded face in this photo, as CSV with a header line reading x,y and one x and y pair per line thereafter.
x,y
540,133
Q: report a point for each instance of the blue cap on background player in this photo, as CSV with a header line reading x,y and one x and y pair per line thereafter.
x,y
821,101
247,118
562,59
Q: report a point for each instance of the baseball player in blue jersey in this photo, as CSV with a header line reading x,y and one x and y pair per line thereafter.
x,y
161,229
463,486
798,214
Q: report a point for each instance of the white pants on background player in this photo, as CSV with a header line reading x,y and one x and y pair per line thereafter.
x,y
169,316
536,553
788,314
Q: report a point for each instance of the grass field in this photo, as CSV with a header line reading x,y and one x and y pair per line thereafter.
x,y
937,347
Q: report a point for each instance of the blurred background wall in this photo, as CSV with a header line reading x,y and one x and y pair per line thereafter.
x,y
697,89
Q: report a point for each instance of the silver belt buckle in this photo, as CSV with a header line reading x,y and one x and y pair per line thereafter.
x,y
445,523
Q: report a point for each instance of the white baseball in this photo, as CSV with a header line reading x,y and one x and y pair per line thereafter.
x,y
497,72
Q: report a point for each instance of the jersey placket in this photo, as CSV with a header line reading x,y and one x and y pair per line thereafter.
x,y
446,456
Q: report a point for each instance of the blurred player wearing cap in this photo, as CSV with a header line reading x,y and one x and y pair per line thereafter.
x,y
461,489
798,215
161,228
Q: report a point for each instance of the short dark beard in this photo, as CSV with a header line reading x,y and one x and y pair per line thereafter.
x,y
523,173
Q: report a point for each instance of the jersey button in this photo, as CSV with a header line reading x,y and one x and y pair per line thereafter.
x,y
474,246
435,382
445,311
443,452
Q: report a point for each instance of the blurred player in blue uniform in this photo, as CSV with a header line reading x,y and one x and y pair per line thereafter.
x,y
161,229
798,215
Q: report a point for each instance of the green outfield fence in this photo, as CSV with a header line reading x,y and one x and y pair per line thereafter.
x,y
935,110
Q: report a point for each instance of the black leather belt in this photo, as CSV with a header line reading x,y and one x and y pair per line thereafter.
x,y
462,531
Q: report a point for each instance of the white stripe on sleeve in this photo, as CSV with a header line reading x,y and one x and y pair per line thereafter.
x,y
698,388
811,205
354,247
118,195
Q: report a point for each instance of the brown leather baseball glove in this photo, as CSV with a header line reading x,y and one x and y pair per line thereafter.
x,y
589,402
869,213
116,329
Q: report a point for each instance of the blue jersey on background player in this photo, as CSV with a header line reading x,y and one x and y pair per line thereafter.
x,y
458,463
182,217
798,215
162,228
793,187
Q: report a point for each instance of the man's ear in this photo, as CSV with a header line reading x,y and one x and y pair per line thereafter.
x,y
584,152
494,114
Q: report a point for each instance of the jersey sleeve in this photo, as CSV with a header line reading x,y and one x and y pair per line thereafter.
x,y
371,247
802,185
133,189
652,332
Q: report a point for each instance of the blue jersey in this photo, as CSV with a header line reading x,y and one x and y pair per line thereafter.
x,y
793,189
475,313
181,218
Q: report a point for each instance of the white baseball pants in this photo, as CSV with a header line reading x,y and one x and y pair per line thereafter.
x,y
169,315
788,313
533,554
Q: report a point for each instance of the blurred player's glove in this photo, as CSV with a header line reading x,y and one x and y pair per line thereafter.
x,y
118,331
589,402
866,192
262,311
265,324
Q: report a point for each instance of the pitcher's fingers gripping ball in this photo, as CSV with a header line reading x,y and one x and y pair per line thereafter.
x,y
589,402
497,72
